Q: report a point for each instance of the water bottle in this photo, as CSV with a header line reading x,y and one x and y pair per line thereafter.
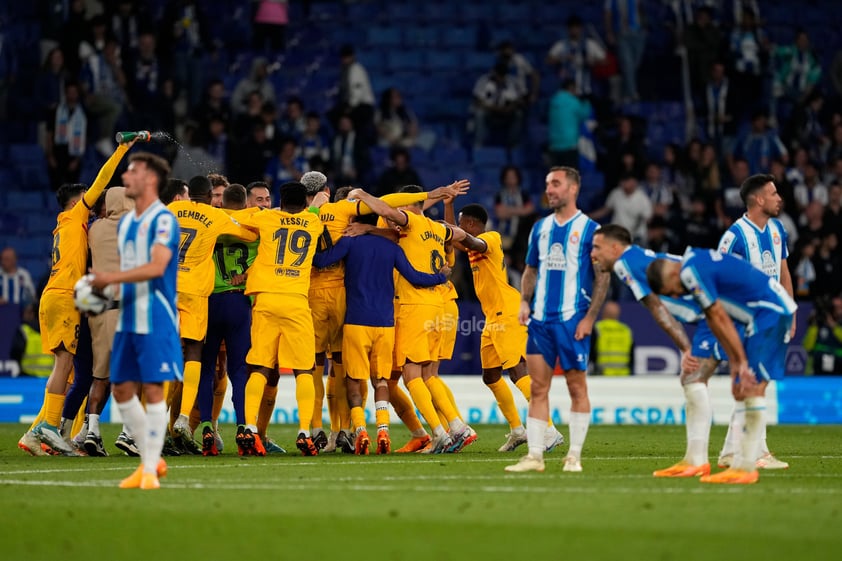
x,y
127,136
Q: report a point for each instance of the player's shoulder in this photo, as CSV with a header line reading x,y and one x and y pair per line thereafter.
x,y
490,237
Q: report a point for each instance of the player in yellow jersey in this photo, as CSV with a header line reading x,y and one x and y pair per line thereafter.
x,y
282,324
200,225
59,317
417,331
503,343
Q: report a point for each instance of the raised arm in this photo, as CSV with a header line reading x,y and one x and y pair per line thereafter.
x,y
380,207
105,174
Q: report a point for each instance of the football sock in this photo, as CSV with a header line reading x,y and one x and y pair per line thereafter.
x,y
755,415
305,394
83,431
438,392
318,403
525,386
698,423
192,377
381,414
405,409
579,422
330,394
423,401
134,419
254,395
156,431
535,431
93,423
442,418
53,404
735,430
219,397
764,448
506,402
357,418
267,408
450,397
343,411
42,414
79,420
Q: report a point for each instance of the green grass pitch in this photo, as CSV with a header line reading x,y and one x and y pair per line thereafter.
x,y
431,508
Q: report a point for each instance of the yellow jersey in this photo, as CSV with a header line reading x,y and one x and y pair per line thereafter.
x,y
496,296
285,253
422,240
70,237
448,289
201,225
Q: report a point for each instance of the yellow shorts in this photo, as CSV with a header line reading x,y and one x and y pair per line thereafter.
x,y
503,343
417,333
328,307
449,327
59,320
192,316
103,328
367,352
282,332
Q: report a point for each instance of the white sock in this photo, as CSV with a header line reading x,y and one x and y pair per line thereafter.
x,y
698,423
456,425
578,431
93,424
83,432
126,430
252,428
134,421
381,406
535,430
62,426
518,430
156,431
735,429
764,448
755,414
439,431
420,433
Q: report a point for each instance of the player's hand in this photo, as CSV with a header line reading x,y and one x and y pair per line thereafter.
x,y
525,311
320,199
453,190
748,381
101,280
355,229
238,279
583,328
792,330
689,363
357,194
446,270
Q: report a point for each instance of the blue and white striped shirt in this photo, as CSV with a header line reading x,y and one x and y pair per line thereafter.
x,y
17,287
561,253
764,249
148,303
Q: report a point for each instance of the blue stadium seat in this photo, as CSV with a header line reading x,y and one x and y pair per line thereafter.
x,y
443,61
463,36
31,200
379,36
403,11
469,12
34,246
31,154
477,63
511,14
40,223
450,155
362,12
400,60
11,224
421,36
490,156
325,11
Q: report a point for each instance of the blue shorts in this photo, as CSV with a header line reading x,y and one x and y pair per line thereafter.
x,y
705,345
148,359
554,340
766,350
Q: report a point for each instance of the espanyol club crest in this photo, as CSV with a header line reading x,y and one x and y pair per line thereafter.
x,y
574,238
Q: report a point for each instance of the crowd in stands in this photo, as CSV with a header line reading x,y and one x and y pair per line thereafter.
x,y
272,89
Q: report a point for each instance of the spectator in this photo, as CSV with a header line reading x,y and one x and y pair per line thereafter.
x,y
659,238
805,273
749,53
287,166
51,79
624,30
828,266
269,118
514,213
674,172
718,109
625,141
216,143
812,189
349,157
629,206
665,203
150,87
126,22
575,55
356,96
760,144
313,142
104,85
16,285
398,174
703,41
212,105
699,228
251,156
192,158
785,187
293,122
396,123
256,81
823,339
67,131
270,24
497,107
30,354
811,223
567,114
613,343
187,39
796,70
527,79
807,127
834,151
833,210
74,31
243,122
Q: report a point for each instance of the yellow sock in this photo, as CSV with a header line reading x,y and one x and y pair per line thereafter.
x,y
506,402
525,387
438,391
451,398
343,410
192,375
318,403
381,417
423,401
305,394
267,408
219,397
254,394
80,419
403,407
357,417
442,418
53,403
42,413
330,393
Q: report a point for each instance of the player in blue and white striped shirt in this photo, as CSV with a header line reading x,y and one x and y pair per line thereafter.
x,y
147,348
759,238
731,291
561,298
